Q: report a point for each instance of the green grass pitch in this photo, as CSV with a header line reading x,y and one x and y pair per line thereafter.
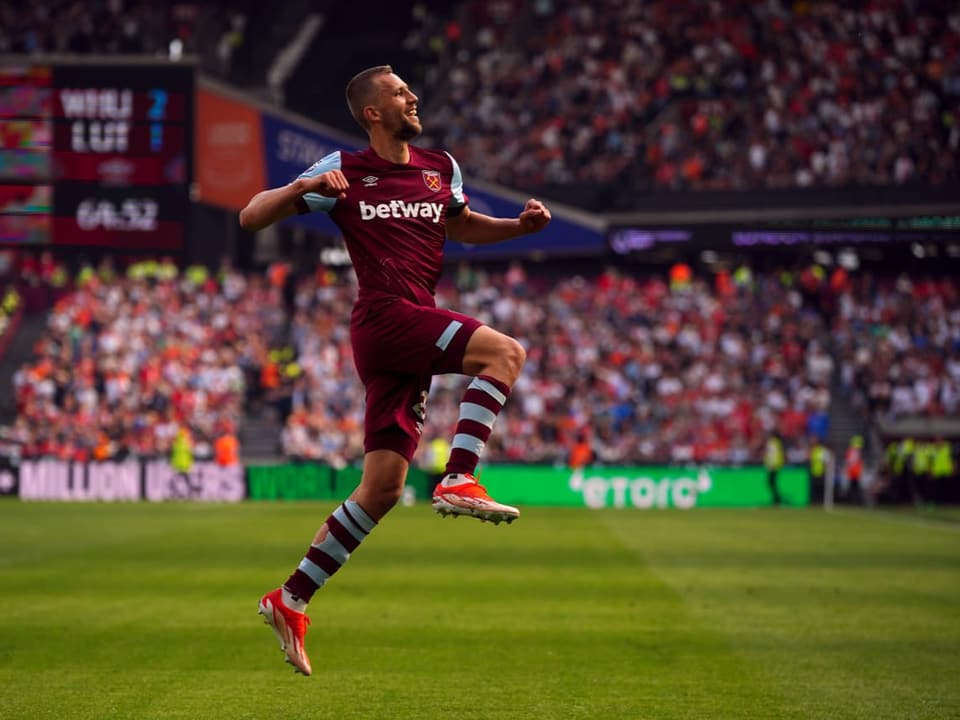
x,y
149,611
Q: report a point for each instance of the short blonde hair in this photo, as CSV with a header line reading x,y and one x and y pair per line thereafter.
x,y
362,91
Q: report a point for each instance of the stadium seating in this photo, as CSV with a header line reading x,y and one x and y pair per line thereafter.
x,y
627,97
633,367
631,96
129,360
648,372
213,31
898,343
698,96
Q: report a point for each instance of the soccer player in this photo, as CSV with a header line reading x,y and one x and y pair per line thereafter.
x,y
395,204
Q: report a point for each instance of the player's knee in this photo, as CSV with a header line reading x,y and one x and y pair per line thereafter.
x,y
514,356
387,495
377,496
390,497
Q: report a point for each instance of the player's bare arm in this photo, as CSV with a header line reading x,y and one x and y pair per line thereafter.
x,y
270,206
473,228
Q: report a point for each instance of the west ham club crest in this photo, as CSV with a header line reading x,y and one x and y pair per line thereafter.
x,y
431,178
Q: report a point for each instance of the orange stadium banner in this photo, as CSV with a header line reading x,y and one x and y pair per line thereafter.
x,y
230,166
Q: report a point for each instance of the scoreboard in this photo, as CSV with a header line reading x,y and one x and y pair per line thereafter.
x,y
96,154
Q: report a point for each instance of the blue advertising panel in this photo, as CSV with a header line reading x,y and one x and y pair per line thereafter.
x,y
291,149
563,236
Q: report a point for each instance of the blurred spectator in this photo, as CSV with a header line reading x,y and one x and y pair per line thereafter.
x,y
226,448
432,459
213,31
622,368
820,465
898,344
699,95
942,472
581,454
647,373
853,470
181,451
127,364
623,96
66,26
774,458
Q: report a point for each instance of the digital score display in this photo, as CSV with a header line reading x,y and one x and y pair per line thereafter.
x,y
110,144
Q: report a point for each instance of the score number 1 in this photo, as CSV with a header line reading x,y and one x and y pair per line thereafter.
x,y
157,113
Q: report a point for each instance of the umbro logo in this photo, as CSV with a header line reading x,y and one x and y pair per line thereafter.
x,y
370,181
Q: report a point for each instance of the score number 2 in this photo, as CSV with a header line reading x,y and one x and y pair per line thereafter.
x,y
157,112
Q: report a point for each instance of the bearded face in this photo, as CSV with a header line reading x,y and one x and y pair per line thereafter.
x,y
408,128
398,108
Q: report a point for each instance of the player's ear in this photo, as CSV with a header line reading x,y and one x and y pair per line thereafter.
x,y
371,114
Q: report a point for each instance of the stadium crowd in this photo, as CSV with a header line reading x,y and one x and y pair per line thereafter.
x,y
639,368
626,94
213,31
129,361
696,95
623,368
898,342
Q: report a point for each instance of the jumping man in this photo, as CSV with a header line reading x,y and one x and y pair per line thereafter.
x,y
395,205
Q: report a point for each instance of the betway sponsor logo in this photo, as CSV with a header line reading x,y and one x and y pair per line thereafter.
x,y
641,492
400,209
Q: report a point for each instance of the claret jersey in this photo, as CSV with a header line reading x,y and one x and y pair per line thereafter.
x,y
393,218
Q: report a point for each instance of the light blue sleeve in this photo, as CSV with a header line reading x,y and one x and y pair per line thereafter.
x,y
457,199
315,201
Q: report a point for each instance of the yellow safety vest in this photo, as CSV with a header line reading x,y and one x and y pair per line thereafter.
x,y
942,460
181,454
773,454
440,453
818,461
